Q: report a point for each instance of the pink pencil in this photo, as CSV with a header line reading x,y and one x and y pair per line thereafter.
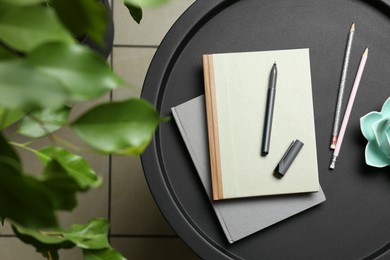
x,y
348,109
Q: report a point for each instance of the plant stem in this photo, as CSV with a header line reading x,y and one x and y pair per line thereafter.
x,y
49,255
59,141
23,146
66,143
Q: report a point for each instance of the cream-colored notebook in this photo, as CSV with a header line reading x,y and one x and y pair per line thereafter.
x,y
236,86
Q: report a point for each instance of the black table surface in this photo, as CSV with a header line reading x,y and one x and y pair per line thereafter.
x,y
354,222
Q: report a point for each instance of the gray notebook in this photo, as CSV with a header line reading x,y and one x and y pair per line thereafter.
x,y
241,217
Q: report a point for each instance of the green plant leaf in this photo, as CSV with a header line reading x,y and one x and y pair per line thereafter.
x,y
83,72
45,242
25,27
92,235
83,17
24,87
102,254
65,174
47,237
135,12
75,166
62,185
43,122
9,156
6,54
8,117
24,200
121,128
144,3
22,2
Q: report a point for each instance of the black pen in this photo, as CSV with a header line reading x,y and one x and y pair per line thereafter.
x,y
269,110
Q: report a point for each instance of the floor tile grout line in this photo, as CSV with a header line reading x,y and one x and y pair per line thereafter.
x,y
143,236
109,193
110,156
135,46
134,236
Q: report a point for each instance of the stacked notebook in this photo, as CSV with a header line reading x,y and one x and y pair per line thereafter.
x,y
222,132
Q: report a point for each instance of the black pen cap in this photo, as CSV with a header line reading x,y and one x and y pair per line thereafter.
x,y
288,158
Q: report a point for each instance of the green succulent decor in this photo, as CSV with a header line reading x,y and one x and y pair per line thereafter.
x,y
44,72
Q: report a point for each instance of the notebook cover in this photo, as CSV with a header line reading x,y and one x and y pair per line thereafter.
x,y
241,217
236,86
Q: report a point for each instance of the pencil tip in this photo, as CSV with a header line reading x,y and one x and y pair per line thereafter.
x,y
366,51
353,27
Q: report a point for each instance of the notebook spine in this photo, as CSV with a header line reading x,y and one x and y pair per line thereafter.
x,y
212,126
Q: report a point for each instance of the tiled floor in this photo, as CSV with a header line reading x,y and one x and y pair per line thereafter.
x,y
138,230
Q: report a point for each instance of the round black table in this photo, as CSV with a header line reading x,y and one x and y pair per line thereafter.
x,y
354,222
